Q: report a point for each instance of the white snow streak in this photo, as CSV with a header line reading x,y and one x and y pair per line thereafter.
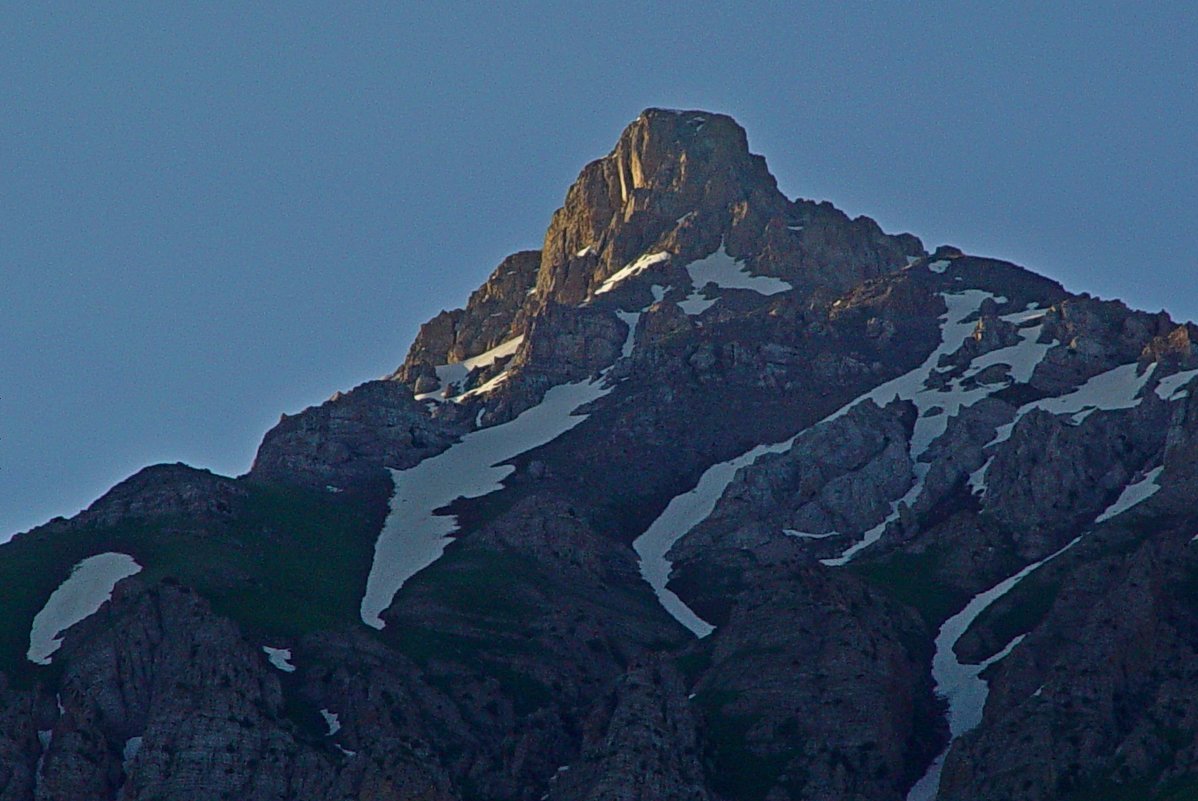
x,y
1171,387
725,272
279,657
414,535
630,319
689,509
1117,388
332,721
684,512
960,684
1133,494
131,749
449,374
80,596
803,535
637,267
938,266
912,386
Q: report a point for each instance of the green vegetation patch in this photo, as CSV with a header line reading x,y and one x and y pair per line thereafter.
x,y
288,562
913,579
1022,609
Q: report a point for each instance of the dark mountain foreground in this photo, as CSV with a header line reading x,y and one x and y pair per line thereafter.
x,y
719,495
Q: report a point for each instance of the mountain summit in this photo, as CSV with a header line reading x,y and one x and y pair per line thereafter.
x,y
719,495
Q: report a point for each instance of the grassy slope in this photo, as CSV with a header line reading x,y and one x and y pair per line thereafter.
x,y
291,561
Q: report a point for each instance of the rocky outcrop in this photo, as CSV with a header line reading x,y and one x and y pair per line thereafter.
x,y
352,436
818,689
495,312
1054,476
527,624
165,490
684,182
640,744
1095,698
836,481
161,698
20,746
1094,336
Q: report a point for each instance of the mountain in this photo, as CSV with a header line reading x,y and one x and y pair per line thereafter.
x,y
718,495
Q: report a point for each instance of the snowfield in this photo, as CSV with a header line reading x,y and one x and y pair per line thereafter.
x,y
1134,493
960,684
725,272
636,268
684,512
280,658
450,374
87,588
414,535
956,327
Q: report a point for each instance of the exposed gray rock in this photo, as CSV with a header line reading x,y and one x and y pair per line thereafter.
x,y
835,482
495,312
815,691
352,436
640,744
1053,476
165,490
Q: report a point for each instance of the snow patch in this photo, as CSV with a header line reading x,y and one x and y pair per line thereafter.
x,y
450,374
332,721
87,588
629,319
960,684
803,535
414,535
912,386
1171,387
1133,494
727,273
131,749
1022,358
637,267
280,658
724,272
1117,388
684,512
939,266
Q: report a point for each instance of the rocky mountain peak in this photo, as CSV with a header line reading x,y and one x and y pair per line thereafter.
x,y
677,188
720,495
676,180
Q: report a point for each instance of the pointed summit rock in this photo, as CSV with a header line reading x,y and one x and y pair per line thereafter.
x,y
684,182
677,187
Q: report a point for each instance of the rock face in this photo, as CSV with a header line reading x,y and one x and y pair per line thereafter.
x,y
494,313
640,743
351,436
165,491
719,495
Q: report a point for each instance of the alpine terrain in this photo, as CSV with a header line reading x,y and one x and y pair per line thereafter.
x,y
717,496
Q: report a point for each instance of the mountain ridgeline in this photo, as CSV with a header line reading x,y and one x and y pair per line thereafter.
x,y
718,496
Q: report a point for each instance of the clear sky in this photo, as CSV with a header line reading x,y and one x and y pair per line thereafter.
x,y
209,216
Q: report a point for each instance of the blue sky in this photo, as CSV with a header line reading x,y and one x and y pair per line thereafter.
x,y
212,215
